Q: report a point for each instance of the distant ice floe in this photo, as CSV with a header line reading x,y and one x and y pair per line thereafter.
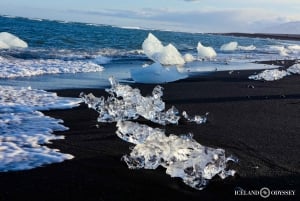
x,y
12,67
205,52
181,155
8,40
165,55
232,46
24,130
275,74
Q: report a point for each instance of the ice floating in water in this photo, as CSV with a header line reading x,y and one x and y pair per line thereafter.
x,y
156,74
11,68
182,156
165,55
232,46
8,40
126,103
24,130
205,52
272,75
229,46
188,58
281,50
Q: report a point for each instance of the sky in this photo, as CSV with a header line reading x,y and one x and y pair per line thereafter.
x,y
177,15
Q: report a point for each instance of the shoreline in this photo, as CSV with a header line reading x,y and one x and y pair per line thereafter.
x,y
295,37
259,126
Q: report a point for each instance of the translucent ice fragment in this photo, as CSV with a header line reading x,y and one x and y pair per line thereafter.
x,y
197,118
182,156
270,75
294,69
205,52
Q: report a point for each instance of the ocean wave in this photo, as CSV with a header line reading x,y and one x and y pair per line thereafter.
x,y
12,67
24,130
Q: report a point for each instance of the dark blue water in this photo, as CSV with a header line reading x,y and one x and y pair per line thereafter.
x,y
55,44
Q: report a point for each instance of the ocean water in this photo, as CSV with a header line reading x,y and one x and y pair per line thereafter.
x,y
68,54
38,55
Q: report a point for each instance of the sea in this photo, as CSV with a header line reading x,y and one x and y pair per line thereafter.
x,y
67,55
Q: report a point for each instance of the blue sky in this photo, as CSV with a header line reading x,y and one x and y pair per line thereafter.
x,y
180,15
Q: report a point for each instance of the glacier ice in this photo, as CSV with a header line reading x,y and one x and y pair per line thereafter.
x,y
188,58
165,55
8,40
181,155
229,46
205,52
270,75
25,131
126,103
156,74
275,74
232,46
294,69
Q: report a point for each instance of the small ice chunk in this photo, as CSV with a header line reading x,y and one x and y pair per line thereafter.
x,y
205,52
188,58
8,40
197,118
294,69
229,46
270,75
181,155
247,48
125,103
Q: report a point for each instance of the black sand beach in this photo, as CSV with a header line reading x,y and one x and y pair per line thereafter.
x,y
257,122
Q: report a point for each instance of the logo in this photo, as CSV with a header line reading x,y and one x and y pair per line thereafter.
x,y
264,192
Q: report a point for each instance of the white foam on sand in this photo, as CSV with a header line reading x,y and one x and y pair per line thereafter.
x,y
165,55
205,52
12,67
8,40
24,130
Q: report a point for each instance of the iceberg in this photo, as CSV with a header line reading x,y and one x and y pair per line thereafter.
x,y
232,46
8,40
229,46
181,155
157,74
205,52
165,55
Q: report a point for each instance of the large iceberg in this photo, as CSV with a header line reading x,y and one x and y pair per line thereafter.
x,y
8,40
205,52
165,55
181,155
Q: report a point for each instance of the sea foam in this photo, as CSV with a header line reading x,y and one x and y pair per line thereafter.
x,y
13,67
8,40
24,130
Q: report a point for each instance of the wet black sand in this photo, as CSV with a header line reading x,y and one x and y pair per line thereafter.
x,y
257,122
